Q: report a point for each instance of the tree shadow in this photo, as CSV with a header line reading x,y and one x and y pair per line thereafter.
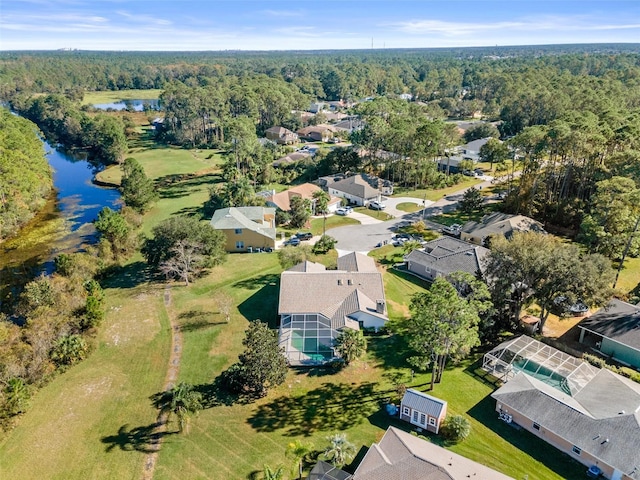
x,y
262,305
129,276
405,275
389,351
215,395
145,439
331,407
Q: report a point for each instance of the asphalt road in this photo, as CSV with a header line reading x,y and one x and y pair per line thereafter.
x,y
363,238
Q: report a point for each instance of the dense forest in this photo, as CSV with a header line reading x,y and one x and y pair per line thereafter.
x,y
569,115
25,175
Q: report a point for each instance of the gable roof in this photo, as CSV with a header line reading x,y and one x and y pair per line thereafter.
x,y
251,218
619,321
282,200
401,456
476,145
423,403
603,419
448,254
326,471
358,185
279,131
356,262
292,157
502,223
337,294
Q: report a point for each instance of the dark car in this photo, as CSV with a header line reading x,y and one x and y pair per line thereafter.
x,y
293,241
304,236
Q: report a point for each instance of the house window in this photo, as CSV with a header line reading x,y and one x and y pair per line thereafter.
x,y
576,450
432,421
415,416
405,411
239,244
536,426
423,419
238,231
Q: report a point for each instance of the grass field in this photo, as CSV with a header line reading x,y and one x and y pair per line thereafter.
x,y
435,195
377,214
409,207
115,96
96,420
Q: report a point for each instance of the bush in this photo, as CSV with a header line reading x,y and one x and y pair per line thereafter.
x,y
325,244
455,428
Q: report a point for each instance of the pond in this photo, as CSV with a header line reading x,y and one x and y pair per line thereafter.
x,y
137,105
63,225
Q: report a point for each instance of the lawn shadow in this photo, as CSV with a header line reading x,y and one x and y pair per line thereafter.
x,y
563,465
389,351
181,185
331,407
145,439
215,395
193,320
405,275
263,304
476,371
129,276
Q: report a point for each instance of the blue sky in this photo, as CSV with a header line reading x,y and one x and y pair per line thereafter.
x,y
307,25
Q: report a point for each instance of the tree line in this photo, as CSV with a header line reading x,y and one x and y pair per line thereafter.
x,y
25,175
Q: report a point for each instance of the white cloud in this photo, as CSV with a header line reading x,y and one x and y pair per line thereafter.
x,y
283,13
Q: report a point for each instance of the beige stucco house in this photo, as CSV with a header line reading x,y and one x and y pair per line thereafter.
x,y
246,228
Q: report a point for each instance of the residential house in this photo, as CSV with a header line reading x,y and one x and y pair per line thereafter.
x,y
471,150
292,158
281,135
359,189
445,255
349,124
282,200
316,304
316,107
326,471
591,414
246,227
615,331
317,133
422,410
498,224
400,455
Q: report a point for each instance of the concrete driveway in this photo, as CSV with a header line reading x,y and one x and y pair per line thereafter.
x,y
364,238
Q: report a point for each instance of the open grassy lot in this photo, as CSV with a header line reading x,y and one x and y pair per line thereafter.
x,y
333,221
115,96
435,195
409,207
377,214
94,420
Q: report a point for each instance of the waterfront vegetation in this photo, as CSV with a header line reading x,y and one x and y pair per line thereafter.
x,y
98,419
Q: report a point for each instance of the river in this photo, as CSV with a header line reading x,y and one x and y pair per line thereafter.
x,y
63,225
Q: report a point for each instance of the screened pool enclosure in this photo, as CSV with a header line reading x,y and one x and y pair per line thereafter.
x,y
307,338
538,360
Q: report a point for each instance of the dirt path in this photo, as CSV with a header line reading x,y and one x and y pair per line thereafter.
x,y
169,381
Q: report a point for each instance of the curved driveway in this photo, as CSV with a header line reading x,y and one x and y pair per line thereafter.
x,y
363,238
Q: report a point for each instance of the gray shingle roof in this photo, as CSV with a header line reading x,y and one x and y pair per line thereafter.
x,y
251,218
423,403
610,433
502,223
401,456
619,321
356,262
326,471
356,185
448,254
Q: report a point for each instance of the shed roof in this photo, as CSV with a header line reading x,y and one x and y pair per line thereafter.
x,y
619,321
423,403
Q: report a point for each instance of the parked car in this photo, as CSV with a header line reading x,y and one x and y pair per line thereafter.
x,y
376,205
293,241
342,211
452,230
478,172
304,236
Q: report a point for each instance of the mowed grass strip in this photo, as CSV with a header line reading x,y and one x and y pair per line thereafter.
x,y
90,98
94,420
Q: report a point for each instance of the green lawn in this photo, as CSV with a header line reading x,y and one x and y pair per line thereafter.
x,y
377,214
116,96
409,207
435,195
333,221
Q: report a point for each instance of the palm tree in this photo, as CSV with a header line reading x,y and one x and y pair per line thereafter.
x,y
322,204
16,394
340,450
298,451
350,345
183,401
277,474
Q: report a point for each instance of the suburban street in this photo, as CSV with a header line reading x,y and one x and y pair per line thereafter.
x,y
365,237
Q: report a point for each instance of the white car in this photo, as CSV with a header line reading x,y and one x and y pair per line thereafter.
x,y
342,211
376,205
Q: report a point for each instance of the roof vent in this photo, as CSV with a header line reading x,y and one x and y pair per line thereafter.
x,y
621,412
606,440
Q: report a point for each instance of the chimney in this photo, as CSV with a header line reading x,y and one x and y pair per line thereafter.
x,y
381,306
